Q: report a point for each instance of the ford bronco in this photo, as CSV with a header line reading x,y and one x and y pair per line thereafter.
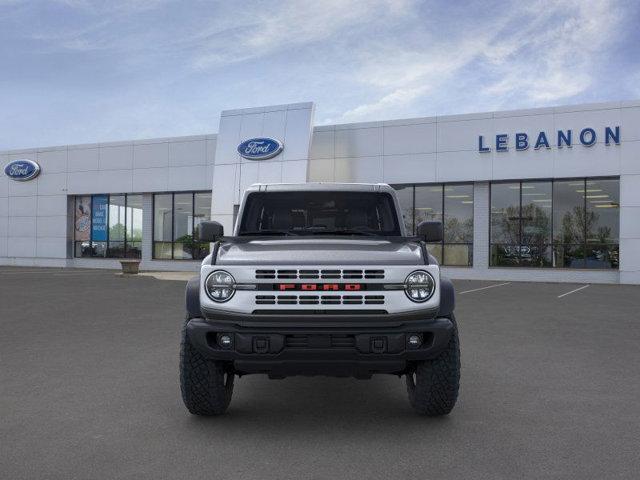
x,y
320,279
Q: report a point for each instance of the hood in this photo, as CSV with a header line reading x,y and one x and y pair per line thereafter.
x,y
319,251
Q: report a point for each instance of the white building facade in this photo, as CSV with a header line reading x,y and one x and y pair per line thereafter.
x,y
549,194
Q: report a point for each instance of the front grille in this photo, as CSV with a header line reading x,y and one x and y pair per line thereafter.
x,y
309,274
319,299
320,341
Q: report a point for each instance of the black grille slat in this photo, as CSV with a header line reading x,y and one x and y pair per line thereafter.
x,y
374,299
331,299
308,274
352,299
374,274
352,274
287,299
319,299
348,274
287,274
330,273
265,274
308,299
266,299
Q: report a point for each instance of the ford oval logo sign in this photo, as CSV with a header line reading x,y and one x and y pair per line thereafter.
x,y
259,148
22,170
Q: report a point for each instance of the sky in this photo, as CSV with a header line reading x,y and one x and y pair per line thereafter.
x,y
80,71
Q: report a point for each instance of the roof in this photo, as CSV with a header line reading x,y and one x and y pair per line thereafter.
x,y
320,186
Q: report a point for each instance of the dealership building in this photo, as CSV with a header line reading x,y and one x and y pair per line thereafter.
x,y
548,194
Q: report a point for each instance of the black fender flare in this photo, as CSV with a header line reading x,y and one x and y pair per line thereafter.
x,y
447,298
192,298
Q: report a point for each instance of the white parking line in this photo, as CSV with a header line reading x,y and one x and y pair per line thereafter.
x,y
573,291
485,288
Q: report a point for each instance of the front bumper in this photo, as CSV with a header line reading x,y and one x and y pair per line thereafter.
x,y
357,349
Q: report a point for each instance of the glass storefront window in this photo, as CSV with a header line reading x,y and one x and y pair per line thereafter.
x,y
458,225
134,226
182,225
82,226
564,223
162,225
451,204
201,213
505,224
108,226
176,220
536,200
603,223
569,223
117,219
405,197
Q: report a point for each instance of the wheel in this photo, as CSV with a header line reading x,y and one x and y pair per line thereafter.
x,y
206,385
433,385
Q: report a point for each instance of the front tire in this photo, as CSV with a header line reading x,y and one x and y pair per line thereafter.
x,y
433,385
206,385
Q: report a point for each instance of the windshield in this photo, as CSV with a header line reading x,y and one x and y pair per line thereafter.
x,y
319,213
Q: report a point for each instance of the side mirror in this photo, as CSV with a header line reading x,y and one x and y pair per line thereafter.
x,y
430,232
210,231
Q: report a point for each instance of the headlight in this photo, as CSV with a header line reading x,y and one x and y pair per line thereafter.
x,y
419,286
220,286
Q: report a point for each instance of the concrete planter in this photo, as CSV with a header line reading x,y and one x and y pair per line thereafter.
x,y
130,266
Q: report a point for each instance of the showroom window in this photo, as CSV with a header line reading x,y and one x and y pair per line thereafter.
x,y
176,218
563,224
108,226
451,204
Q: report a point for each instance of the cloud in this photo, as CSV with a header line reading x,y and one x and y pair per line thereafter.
x,y
259,32
541,53
125,69
552,61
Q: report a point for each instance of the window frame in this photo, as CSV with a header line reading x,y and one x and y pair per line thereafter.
x,y
125,240
172,242
442,244
553,245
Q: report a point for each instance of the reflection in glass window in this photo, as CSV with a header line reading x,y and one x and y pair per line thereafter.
x,y
405,197
505,224
82,226
564,223
108,226
182,225
134,226
603,223
428,207
450,204
536,200
117,219
569,223
428,203
458,225
201,213
162,225
176,220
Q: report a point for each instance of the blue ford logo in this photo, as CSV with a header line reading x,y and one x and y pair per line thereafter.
x,y
259,148
22,170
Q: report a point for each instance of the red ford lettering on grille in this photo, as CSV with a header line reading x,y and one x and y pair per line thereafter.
x,y
326,287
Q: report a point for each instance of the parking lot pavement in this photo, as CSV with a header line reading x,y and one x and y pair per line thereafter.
x,y
89,389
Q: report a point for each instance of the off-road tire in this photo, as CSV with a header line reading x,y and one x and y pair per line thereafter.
x,y
206,385
433,385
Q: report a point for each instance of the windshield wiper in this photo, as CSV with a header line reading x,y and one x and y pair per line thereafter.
x,y
269,232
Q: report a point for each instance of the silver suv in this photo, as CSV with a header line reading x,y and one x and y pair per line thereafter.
x,y
320,279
